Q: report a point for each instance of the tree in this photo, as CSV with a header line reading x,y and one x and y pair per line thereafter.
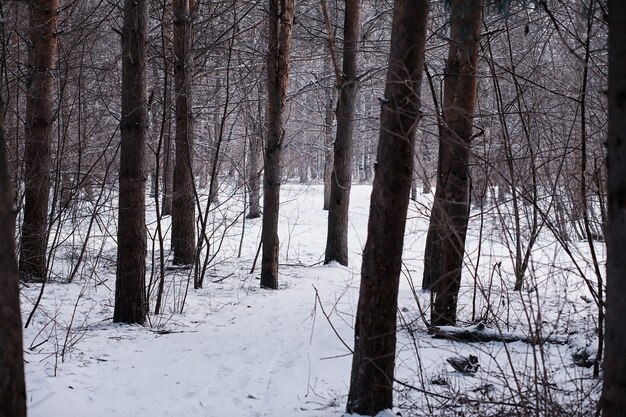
x,y
255,141
614,389
445,244
279,37
375,327
183,204
130,285
12,387
341,177
39,117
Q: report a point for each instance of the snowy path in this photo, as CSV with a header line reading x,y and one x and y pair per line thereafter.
x,y
237,350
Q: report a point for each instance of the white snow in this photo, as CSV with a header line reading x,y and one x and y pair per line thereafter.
x,y
240,351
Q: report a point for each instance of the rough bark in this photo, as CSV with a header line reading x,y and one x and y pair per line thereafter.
x,y
39,116
279,36
130,286
375,327
183,203
12,387
341,178
452,195
614,390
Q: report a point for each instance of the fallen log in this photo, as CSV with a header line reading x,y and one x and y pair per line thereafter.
x,y
480,333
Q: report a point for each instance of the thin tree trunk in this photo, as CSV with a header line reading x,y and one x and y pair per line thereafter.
x,y
254,165
12,386
614,391
41,57
130,285
341,179
328,139
375,327
167,167
452,194
183,204
280,26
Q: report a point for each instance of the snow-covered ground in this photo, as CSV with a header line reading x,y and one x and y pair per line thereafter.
x,y
240,351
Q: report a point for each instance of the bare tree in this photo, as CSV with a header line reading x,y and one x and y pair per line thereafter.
x,y
12,387
445,246
130,285
341,177
183,204
375,327
279,37
255,161
614,389
39,116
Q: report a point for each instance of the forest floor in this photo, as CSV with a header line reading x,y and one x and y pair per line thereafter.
x,y
240,351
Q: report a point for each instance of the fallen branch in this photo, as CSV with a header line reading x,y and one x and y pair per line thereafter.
x,y
480,333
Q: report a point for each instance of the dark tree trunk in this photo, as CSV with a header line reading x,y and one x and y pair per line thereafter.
x,y
341,179
12,387
375,327
130,285
167,159
183,204
279,35
614,390
41,57
451,204
254,165
328,144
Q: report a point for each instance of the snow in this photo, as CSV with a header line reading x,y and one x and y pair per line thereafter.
x,y
237,350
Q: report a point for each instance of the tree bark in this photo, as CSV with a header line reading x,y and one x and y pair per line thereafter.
x,y
12,386
39,116
183,203
375,327
280,27
130,286
452,195
341,178
614,390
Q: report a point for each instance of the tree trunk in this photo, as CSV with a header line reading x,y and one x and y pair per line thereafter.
x,y
341,178
183,204
167,160
12,387
614,391
279,36
130,285
330,94
254,165
41,57
452,194
375,327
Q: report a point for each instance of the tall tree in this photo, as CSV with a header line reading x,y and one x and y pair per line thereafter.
x,y
279,37
39,117
255,161
341,177
375,327
12,387
183,204
614,390
445,244
130,285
